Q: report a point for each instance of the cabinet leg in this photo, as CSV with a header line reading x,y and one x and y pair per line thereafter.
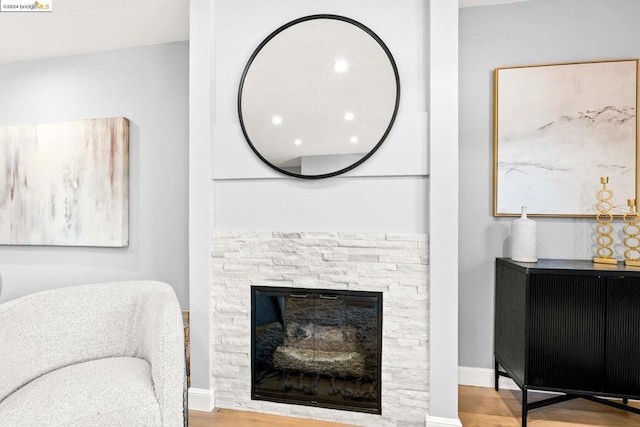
x,y
496,375
525,396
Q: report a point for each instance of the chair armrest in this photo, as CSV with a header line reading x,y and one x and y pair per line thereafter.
x,y
163,347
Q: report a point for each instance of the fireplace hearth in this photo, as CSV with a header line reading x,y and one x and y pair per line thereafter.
x,y
317,347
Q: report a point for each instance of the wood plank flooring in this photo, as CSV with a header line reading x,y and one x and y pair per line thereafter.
x,y
232,418
478,407
484,407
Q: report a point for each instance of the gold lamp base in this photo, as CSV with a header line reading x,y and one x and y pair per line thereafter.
x,y
601,260
632,263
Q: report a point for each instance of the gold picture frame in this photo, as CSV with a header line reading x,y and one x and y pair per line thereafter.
x,y
557,128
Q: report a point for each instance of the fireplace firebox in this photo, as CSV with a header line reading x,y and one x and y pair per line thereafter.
x,y
317,347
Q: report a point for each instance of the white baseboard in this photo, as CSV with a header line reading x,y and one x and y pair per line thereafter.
x,y
482,377
201,399
442,422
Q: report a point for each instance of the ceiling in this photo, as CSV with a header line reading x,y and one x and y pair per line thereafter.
x,y
83,26
474,3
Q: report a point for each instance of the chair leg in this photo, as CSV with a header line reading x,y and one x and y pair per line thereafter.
x,y
525,408
185,399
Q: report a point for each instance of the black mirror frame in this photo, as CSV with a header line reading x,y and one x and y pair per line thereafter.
x,y
278,31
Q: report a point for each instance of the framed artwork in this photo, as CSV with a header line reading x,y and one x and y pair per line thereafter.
x,y
559,128
65,184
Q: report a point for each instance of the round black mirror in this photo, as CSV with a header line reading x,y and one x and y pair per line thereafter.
x,y
318,96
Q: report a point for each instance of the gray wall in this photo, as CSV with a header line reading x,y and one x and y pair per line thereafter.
x,y
148,85
537,32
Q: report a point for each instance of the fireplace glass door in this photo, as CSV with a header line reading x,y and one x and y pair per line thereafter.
x,y
317,347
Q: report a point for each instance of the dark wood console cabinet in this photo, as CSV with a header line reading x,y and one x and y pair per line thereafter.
x,y
568,326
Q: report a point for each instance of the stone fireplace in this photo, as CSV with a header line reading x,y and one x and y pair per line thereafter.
x,y
311,270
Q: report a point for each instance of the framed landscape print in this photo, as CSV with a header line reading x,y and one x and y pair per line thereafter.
x,y
65,184
558,129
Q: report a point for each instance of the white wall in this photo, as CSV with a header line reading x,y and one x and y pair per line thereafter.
x,y
443,213
373,204
149,86
201,119
537,32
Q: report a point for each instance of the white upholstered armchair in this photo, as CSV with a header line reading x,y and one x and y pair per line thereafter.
x,y
107,354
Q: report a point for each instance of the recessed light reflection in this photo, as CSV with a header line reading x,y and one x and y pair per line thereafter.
x,y
276,120
354,139
348,116
340,66
297,142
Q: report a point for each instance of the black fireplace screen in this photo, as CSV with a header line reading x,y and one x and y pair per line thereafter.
x,y
317,347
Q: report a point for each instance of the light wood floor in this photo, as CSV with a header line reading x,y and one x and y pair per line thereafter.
x,y
231,418
478,407
484,407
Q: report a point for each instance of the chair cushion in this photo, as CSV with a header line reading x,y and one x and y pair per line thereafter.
x,y
115,391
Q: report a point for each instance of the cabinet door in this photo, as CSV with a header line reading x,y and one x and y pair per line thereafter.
x,y
566,332
622,371
510,319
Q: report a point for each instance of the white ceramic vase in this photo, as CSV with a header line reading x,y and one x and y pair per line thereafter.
x,y
523,238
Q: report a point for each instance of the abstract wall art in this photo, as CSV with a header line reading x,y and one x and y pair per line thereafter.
x,y
559,128
65,184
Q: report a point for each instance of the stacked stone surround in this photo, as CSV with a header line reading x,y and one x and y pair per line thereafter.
x,y
394,264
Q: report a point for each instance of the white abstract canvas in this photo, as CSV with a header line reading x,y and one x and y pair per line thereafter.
x,y
558,129
65,184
